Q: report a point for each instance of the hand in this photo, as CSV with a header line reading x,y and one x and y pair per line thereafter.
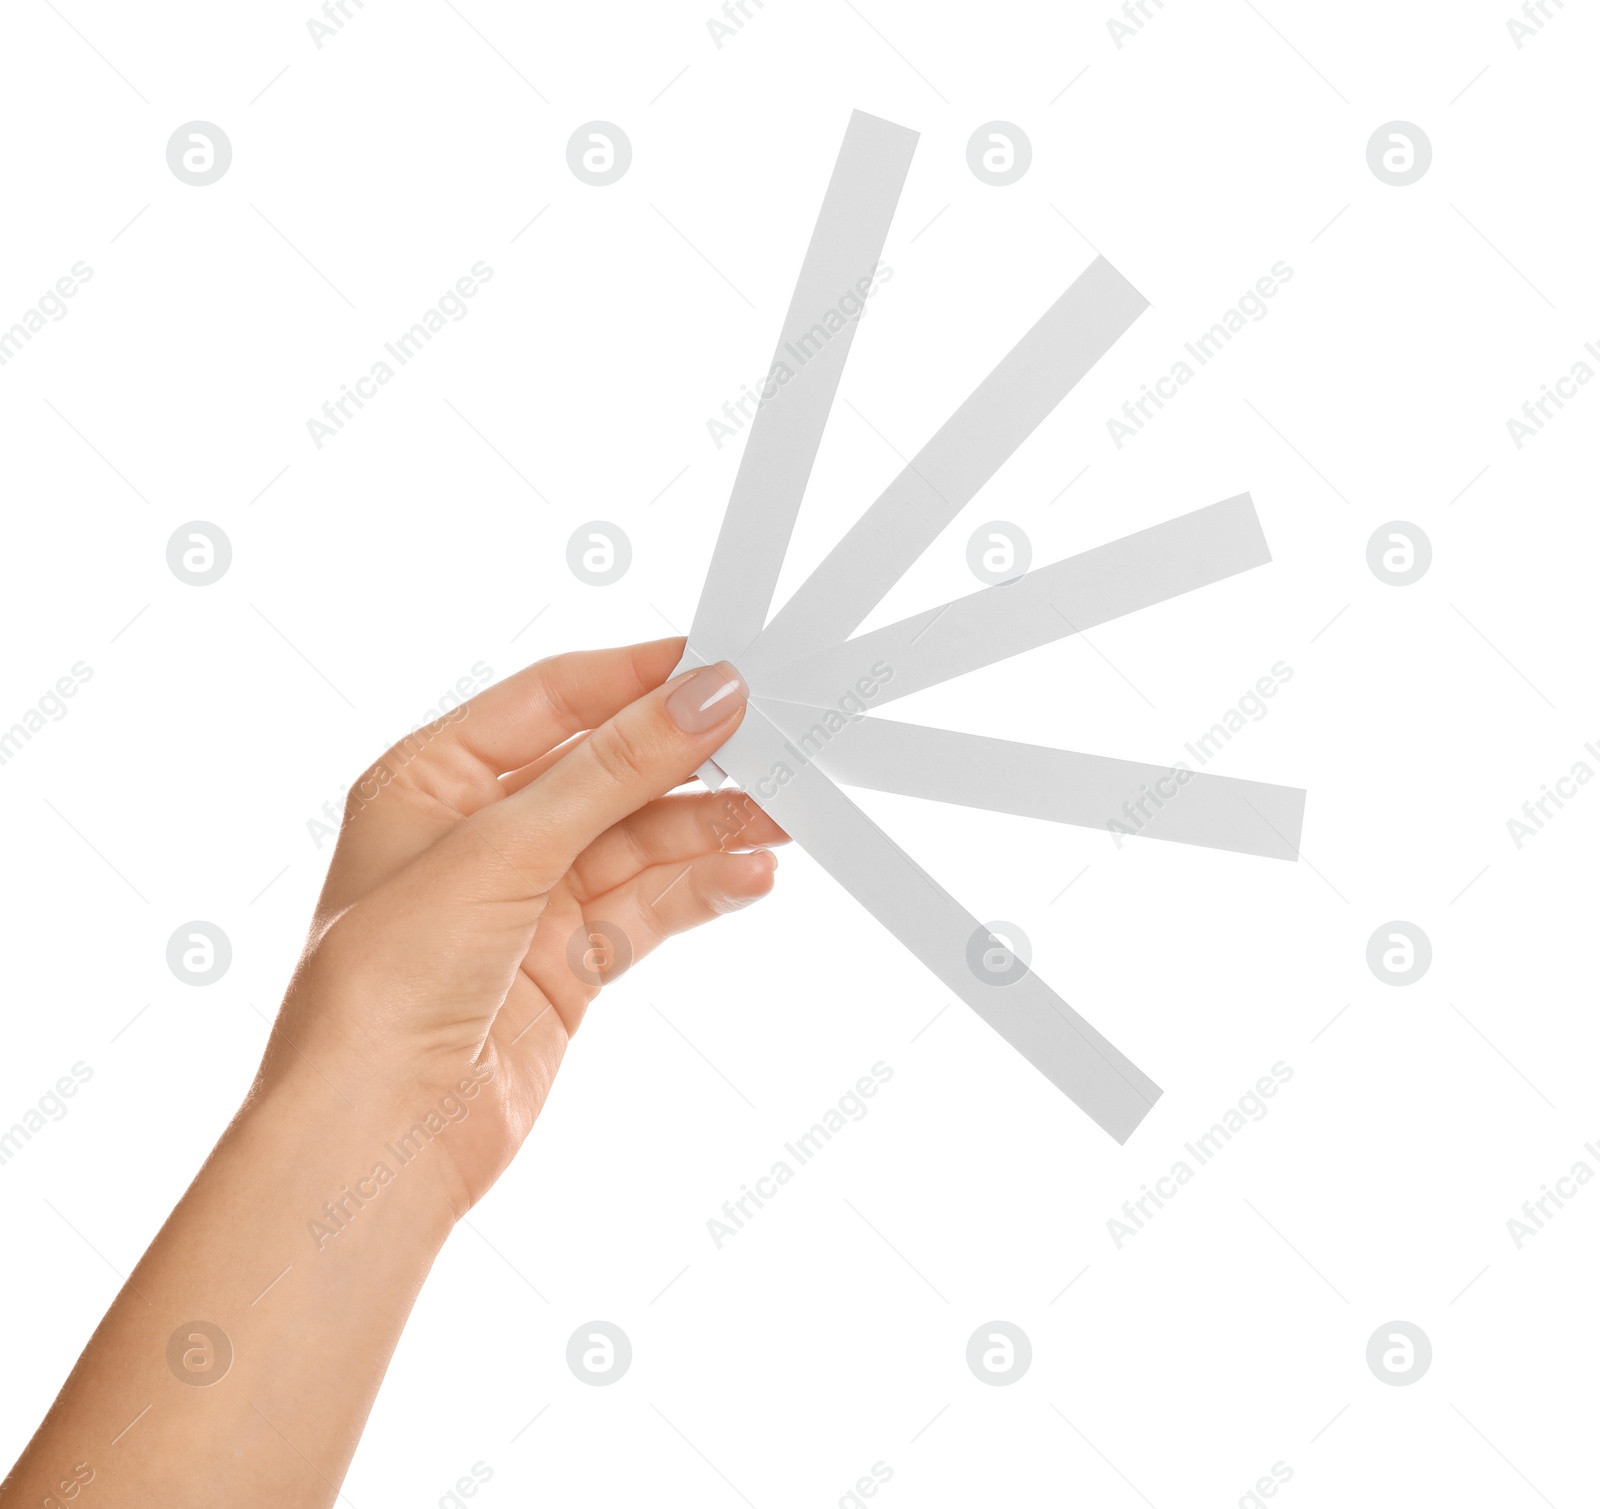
x,y
451,958
493,869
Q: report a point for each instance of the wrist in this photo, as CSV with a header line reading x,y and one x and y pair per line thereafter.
x,y
350,1157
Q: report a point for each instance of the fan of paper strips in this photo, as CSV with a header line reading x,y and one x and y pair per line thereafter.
x,y
791,748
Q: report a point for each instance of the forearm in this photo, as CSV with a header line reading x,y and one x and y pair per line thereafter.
x,y
289,1252
454,953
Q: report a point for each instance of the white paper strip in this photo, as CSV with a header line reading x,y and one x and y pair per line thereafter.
x,y
1037,608
1058,1042
836,277
802,655
969,448
1121,797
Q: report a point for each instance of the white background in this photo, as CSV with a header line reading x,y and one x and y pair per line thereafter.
x,y
369,575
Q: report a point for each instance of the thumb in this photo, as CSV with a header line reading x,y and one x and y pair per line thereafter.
x,y
526,843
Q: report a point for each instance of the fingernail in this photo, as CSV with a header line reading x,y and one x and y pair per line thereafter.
x,y
709,697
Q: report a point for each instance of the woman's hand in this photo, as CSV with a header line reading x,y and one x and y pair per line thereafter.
x,y
492,870
495,868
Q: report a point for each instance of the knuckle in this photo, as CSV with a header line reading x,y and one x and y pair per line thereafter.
x,y
554,683
719,902
708,898
621,753
641,853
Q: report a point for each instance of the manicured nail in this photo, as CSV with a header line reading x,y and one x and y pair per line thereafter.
x,y
709,697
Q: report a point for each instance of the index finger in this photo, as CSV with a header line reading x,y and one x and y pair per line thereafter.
x,y
523,718
451,767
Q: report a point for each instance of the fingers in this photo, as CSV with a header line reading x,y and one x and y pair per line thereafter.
x,y
530,713
520,847
426,784
671,830
523,718
576,951
672,898
514,780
